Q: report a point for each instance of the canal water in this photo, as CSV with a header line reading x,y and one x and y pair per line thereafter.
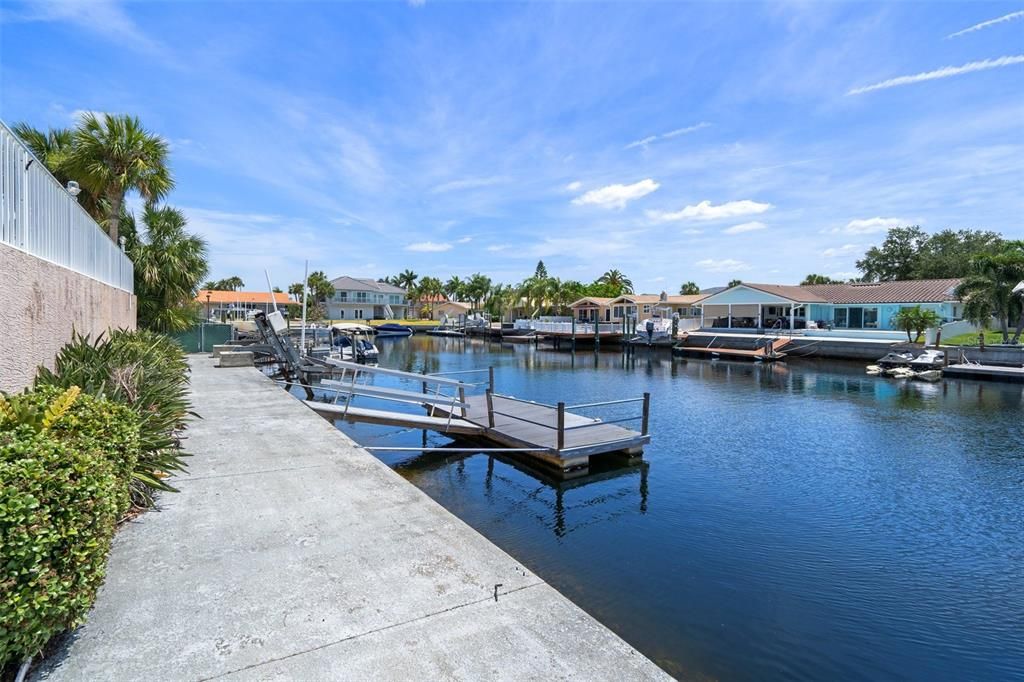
x,y
800,521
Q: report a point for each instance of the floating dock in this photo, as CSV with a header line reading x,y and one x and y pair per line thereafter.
x,y
988,372
552,434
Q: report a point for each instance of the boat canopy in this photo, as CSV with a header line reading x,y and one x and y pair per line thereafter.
x,y
349,327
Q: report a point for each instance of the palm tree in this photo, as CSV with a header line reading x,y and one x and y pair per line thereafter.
x,y
169,265
113,155
233,283
689,289
429,290
406,279
734,283
454,288
818,279
295,291
320,287
988,291
616,280
53,148
477,289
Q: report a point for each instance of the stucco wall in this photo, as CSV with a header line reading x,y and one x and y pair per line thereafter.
x,y
40,304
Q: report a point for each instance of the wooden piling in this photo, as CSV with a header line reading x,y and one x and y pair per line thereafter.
x,y
561,425
646,414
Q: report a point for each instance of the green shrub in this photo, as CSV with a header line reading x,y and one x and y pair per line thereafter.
x,y
58,509
148,373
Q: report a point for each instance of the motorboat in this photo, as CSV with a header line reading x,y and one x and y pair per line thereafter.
x,y
352,342
444,330
892,360
393,329
652,329
930,359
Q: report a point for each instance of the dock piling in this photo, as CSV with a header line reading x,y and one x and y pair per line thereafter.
x,y
561,426
646,414
490,408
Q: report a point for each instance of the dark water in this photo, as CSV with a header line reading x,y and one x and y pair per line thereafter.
x,y
791,522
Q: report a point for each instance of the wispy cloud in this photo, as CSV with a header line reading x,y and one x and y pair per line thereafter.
x,y
843,250
617,196
722,265
705,210
944,72
869,225
745,227
464,240
494,248
573,186
428,247
667,136
985,24
467,183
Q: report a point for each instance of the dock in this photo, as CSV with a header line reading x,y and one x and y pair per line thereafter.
x,y
553,434
293,553
987,372
769,351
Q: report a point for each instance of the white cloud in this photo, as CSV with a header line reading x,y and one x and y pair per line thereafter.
x,y
870,225
705,210
467,183
617,196
464,240
985,24
666,136
494,248
428,247
843,250
744,227
723,265
573,186
944,72
641,143
844,276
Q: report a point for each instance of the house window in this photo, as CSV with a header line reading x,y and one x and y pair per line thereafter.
x,y
360,297
341,296
341,314
359,313
871,318
647,308
840,318
855,318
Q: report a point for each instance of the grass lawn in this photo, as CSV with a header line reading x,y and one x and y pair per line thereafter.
x,y
991,338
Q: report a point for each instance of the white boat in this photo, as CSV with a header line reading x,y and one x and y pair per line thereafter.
x,y
443,329
652,329
930,359
932,375
393,329
352,341
892,360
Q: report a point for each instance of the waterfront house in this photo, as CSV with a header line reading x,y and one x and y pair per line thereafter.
x,y
455,310
643,306
357,298
854,306
239,305
592,309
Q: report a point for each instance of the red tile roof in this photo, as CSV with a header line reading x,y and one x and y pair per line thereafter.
x,y
240,297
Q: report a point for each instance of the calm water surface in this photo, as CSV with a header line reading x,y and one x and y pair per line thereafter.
x,y
790,522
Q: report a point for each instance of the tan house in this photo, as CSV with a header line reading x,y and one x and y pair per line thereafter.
x,y
593,309
644,306
453,309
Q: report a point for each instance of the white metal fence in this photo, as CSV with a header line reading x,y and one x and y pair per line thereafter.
x,y
37,215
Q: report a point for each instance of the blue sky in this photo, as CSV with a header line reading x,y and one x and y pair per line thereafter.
x,y
673,141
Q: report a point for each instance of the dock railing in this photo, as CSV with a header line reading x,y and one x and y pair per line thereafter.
x,y
561,409
40,217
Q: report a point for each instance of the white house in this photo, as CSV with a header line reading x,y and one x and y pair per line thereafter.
x,y
366,299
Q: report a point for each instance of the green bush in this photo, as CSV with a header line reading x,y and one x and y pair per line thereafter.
x,y
58,509
148,373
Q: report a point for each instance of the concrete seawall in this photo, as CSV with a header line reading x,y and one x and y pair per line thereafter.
x,y
292,553
42,302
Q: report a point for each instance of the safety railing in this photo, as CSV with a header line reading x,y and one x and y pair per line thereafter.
x,y
39,216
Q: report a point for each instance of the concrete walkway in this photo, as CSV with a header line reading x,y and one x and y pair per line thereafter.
x,y
292,553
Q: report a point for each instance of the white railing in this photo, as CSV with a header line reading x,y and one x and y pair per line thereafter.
x,y
580,327
38,216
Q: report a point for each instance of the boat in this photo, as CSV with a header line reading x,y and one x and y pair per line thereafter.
x,y
930,359
874,369
892,360
653,329
393,329
932,375
444,330
351,341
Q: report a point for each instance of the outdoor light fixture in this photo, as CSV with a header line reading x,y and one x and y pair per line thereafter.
x,y
73,189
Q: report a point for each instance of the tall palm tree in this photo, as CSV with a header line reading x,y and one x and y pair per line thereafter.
x,y
295,291
988,291
617,280
406,279
53,148
689,289
320,287
169,265
477,289
454,288
112,155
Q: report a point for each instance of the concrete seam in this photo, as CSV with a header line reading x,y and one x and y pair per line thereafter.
x,y
253,473
369,632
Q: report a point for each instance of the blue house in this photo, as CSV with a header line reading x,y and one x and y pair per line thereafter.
x,y
854,306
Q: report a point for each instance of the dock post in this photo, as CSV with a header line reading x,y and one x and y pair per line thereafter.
x,y
574,333
561,426
490,408
490,377
647,413
462,399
